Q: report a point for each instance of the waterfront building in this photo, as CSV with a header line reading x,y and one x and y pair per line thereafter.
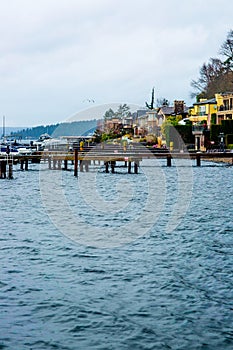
x,y
204,110
224,106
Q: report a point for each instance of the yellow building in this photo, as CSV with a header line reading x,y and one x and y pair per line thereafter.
x,y
203,110
224,106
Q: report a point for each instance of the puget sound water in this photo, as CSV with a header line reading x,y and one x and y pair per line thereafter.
x,y
117,261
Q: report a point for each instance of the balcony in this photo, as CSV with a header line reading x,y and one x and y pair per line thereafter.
x,y
223,109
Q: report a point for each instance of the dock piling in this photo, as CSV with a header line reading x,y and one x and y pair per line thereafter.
x,y
26,164
136,166
169,160
10,171
113,163
65,164
76,162
3,169
129,167
21,164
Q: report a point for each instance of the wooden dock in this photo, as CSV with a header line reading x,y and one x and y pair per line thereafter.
x,y
109,156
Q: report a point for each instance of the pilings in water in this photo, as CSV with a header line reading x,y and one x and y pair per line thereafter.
x,y
127,164
82,161
136,165
113,164
106,167
65,164
10,171
198,159
169,160
24,164
76,161
6,169
3,169
129,167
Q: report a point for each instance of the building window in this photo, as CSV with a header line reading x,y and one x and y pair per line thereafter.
x,y
202,110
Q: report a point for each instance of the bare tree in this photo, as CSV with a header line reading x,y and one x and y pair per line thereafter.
x,y
226,50
209,72
216,75
123,111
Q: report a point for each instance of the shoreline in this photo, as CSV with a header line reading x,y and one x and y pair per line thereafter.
x,y
220,160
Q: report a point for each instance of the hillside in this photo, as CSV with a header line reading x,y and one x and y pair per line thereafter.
x,y
56,130
9,130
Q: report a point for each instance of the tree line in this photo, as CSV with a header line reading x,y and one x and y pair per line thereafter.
x,y
56,130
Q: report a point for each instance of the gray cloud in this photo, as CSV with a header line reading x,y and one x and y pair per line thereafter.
x,y
55,54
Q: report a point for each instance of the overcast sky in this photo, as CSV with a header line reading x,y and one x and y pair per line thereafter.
x,y
57,54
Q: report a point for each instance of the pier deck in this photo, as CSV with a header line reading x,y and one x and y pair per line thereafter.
x,y
108,156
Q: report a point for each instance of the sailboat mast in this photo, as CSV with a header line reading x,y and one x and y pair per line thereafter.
x,y
3,127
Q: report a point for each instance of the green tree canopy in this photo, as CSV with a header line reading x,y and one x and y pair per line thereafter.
x,y
109,114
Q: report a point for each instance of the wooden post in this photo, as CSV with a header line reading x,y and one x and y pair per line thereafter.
x,y
76,162
129,167
106,167
136,167
65,164
198,160
26,164
113,163
21,164
49,161
59,164
54,163
81,165
86,166
169,160
3,169
10,171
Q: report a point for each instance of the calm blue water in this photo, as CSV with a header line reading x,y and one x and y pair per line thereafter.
x,y
159,291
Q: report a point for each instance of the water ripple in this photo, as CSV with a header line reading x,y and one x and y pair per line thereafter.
x,y
162,291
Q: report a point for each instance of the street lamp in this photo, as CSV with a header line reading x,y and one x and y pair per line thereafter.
x,y
221,142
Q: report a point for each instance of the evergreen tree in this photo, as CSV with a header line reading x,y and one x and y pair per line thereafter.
x,y
109,114
151,105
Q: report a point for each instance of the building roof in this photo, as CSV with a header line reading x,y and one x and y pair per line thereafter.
x,y
209,101
166,110
227,93
141,112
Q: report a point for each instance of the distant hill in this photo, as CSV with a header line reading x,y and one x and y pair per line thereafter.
x,y
9,130
76,128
